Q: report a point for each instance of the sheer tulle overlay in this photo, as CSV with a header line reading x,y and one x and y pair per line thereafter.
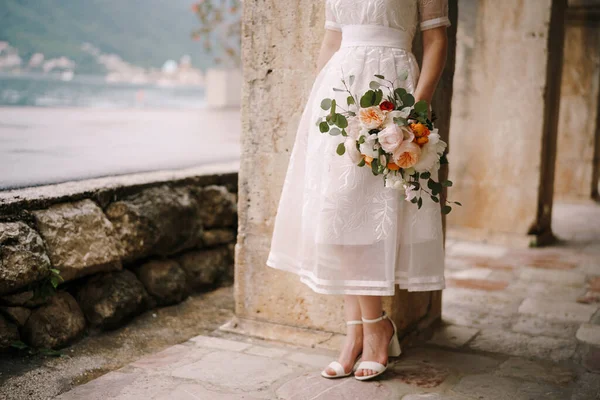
x,y
337,226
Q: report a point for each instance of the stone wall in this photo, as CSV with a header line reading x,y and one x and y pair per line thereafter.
x,y
120,251
578,161
504,119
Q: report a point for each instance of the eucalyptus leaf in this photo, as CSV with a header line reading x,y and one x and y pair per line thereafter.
x,y
403,75
380,76
447,183
341,121
333,107
435,198
368,99
374,85
408,100
446,209
420,202
362,163
338,90
400,121
350,100
324,127
379,96
341,149
335,132
326,104
375,166
351,80
457,203
421,107
399,93
425,175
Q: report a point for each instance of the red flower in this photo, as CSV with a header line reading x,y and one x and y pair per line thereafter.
x,y
387,106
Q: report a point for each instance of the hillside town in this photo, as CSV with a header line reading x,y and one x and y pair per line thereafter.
x,y
172,73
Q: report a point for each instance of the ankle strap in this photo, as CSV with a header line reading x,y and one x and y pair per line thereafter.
x,y
354,322
383,316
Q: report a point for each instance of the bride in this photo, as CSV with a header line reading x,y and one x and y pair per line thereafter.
x,y
337,226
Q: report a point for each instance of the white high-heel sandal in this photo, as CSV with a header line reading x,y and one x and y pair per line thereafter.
x,y
337,367
393,351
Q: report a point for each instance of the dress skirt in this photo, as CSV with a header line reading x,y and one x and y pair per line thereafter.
x,y
337,226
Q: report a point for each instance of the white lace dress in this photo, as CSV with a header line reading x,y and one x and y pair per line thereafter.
x,y
337,226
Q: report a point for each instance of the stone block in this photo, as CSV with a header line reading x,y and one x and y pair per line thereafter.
x,y
23,299
270,352
111,299
55,324
420,374
216,237
9,333
157,221
477,284
164,280
521,345
23,258
589,333
79,238
471,273
498,302
457,363
218,207
17,315
557,310
207,268
458,314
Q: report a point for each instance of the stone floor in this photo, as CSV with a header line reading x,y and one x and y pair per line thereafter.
x,y
518,324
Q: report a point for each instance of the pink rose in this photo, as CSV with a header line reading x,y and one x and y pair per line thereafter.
x,y
390,138
353,128
407,154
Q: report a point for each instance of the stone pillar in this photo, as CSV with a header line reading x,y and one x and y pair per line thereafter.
x,y
577,171
279,48
504,120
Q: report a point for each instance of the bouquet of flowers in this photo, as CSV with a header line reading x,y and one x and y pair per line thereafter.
x,y
388,132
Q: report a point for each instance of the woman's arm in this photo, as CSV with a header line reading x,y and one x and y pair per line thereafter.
x,y
331,44
435,45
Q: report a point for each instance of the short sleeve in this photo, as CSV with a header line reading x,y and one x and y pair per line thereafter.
x,y
433,14
330,18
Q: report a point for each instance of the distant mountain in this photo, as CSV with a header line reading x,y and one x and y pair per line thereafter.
x,y
142,32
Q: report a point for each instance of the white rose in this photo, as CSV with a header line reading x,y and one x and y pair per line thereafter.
x,y
430,154
390,138
409,192
354,128
352,151
389,119
394,181
367,148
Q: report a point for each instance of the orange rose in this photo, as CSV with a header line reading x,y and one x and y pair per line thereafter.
x,y
392,166
421,140
419,129
407,154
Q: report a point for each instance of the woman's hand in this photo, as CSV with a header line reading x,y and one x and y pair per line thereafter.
x,y
435,47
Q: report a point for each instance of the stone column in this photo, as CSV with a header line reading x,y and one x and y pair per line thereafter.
x,y
279,47
577,171
504,120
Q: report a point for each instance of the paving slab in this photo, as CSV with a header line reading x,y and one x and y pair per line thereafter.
x,y
518,344
536,326
453,336
589,333
558,310
500,388
536,371
568,278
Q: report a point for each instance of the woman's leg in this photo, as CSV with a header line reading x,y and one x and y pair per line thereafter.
x,y
376,335
354,335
